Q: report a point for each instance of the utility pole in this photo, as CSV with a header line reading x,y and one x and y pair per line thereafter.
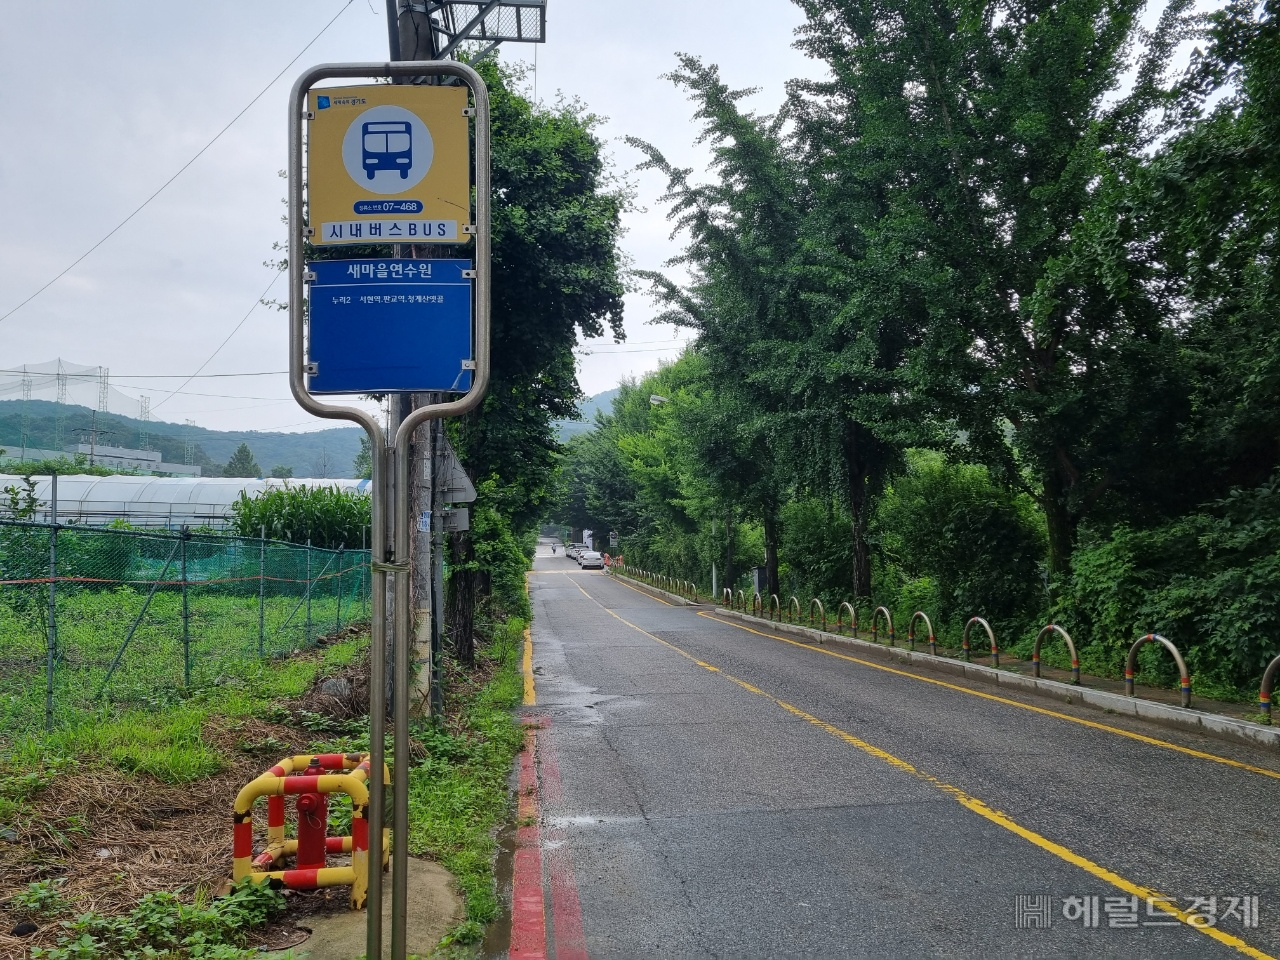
x,y
422,31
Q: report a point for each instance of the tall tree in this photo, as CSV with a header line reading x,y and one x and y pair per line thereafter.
x,y
242,464
557,275
806,377
975,144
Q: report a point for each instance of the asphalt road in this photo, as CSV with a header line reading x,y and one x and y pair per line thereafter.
x,y
716,792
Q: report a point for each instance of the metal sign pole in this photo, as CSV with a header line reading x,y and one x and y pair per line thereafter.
x,y
386,457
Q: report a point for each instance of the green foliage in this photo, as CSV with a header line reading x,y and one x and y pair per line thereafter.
x,y
326,516
362,466
1014,239
284,473
242,464
979,548
557,276
79,464
458,795
41,898
162,926
1209,581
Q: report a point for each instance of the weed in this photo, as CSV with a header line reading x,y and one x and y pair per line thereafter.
x,y
464,933
42,898
458,794
162,926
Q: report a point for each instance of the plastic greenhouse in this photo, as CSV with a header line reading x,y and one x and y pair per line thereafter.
x,y
168,502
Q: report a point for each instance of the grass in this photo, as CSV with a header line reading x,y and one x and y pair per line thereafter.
x,y
176,741
165,741
458,795
92,626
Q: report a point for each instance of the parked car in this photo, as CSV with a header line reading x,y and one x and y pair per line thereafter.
x,y
590,560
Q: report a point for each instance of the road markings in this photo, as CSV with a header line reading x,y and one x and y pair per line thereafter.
x,y
971,803
530,693
1093,724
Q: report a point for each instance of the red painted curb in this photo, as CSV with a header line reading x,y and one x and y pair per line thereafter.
x,y
528,918
566,908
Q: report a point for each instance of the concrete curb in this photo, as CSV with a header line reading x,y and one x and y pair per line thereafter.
x,y
1167,715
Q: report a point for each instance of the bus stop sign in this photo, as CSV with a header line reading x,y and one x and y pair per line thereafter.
x,y
388,163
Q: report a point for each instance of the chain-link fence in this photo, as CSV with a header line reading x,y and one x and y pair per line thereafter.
x,y
92,617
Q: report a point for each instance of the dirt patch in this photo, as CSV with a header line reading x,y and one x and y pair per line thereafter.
x,y
114,837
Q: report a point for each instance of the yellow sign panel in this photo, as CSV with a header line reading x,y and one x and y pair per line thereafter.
x,y
388,164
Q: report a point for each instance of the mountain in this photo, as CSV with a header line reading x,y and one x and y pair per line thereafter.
x,y
328,453
601,402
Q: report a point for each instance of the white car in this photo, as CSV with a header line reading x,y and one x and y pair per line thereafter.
x,y
590,560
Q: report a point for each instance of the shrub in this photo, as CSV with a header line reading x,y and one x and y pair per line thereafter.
x,y
946,530
1209,581
326,516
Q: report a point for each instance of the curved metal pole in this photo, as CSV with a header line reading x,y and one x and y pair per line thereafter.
x,y
1268,681
821,610
911,631
995,651
1132,662
378,452
1035,652
774,602
741,600
853,616
793,610
875,624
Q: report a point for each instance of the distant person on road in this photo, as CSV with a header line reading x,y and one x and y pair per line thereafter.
x,y
553,549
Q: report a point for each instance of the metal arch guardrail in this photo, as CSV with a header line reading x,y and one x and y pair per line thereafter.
x,y
741,599
757,605
1035,652
911,631
964,643
875,624
1268,681
821,610
853,617
793,611
726,598
775,603
1131,664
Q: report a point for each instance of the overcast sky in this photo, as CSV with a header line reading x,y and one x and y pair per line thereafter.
x,y
103,103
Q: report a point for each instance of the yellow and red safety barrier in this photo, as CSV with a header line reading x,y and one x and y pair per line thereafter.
x,y
310,777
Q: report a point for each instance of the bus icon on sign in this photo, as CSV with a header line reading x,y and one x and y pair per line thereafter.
x,y
386,146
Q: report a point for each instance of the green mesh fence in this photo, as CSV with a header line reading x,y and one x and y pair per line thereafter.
x,y
136,615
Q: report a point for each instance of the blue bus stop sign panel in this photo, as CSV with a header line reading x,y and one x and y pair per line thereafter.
x,y
389,326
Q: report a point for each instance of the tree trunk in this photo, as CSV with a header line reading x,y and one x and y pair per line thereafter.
x,y
1061,525
728,552
771,555
859,510
460,605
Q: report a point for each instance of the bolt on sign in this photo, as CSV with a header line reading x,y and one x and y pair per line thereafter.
x,y
388,164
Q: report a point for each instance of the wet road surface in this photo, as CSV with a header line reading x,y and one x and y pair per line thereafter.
x,y
708,791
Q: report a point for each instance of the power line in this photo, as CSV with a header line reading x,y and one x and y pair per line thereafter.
x,y
262,297
95,376
181,169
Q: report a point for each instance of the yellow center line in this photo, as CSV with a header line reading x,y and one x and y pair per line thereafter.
x,y
1093,724
969,802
